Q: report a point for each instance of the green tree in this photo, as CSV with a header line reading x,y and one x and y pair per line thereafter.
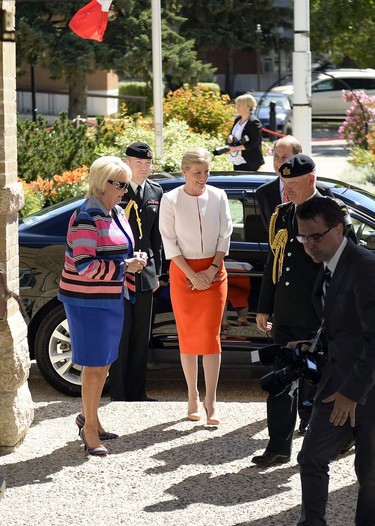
x,y
43,37
343,30
231,25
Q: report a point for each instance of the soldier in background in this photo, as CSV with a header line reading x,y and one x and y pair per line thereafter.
x,y
127,376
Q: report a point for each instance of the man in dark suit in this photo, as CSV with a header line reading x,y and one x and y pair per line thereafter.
x,y
285,295
271,194
345,402
127,375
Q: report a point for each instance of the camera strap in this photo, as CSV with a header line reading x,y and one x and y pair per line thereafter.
x,y
316,338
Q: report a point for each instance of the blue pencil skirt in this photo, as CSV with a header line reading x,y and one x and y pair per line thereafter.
x,y
95,333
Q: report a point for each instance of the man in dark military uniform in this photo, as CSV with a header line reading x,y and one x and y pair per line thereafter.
x,y
128,374
269,196
285,295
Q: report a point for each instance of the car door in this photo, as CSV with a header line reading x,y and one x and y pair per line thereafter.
x,y
327,99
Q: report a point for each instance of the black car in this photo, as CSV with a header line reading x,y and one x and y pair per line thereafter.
x,y
42,238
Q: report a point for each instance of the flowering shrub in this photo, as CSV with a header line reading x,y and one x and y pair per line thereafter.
x,y
34,199
362,111
204,110
44,192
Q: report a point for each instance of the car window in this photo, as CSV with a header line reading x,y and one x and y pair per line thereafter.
x,y
282,103
53,211
247,222
254,228
237,212
365,232
323,85
357,83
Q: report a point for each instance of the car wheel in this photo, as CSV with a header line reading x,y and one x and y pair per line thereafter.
x,y
53,353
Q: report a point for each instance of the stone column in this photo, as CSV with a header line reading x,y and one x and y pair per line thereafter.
x,y
16,407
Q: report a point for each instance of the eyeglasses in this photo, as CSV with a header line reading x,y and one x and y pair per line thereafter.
x,y
118,185
313,237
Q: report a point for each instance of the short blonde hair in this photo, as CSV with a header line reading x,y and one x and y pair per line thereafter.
x,y
103,169
248,100
195,156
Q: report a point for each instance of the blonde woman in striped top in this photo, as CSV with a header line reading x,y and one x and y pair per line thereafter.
x,y
98,273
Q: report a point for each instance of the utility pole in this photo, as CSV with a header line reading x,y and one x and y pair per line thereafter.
x,y
258,33
157,76
302,75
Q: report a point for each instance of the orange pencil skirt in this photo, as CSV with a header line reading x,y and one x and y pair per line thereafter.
x,y
198,313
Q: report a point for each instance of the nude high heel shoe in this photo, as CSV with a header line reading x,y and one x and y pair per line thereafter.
x,y
210,421
194,416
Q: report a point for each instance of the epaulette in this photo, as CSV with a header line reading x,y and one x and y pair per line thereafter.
x,y
154,183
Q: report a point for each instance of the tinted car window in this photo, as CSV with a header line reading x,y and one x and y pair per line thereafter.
x,y
324,85
237,212
363,230
254,228
356,83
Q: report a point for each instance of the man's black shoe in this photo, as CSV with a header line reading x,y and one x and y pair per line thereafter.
x,y
304,424
270,459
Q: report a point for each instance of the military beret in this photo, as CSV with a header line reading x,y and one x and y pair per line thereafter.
x,y
296,166
141,150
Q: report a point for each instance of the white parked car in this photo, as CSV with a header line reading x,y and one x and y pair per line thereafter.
x,y
326,90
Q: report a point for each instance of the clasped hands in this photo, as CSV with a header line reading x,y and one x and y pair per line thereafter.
x,y
137,262
203,280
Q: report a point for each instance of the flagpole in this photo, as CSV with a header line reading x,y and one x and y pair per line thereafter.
x,y
157,73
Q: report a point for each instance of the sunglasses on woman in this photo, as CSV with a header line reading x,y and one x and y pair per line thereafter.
x,y
118,185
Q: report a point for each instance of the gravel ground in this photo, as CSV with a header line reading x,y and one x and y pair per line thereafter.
x,y
163,470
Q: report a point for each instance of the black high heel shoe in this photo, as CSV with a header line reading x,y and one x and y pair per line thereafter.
x,y
99,451
80,421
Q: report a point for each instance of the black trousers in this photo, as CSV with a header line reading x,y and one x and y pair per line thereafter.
x,y
321,445
282,409
127,375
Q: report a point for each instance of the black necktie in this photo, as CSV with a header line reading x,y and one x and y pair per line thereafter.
x,y
326,281
139,194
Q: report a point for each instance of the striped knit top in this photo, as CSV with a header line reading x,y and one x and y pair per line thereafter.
x,y
97,245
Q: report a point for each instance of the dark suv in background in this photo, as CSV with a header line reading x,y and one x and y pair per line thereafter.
x,y
42,238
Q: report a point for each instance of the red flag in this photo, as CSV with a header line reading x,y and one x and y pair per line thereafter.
x,y
91,21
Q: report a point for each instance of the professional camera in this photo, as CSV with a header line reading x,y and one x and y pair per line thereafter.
x,y
291,364
231,141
